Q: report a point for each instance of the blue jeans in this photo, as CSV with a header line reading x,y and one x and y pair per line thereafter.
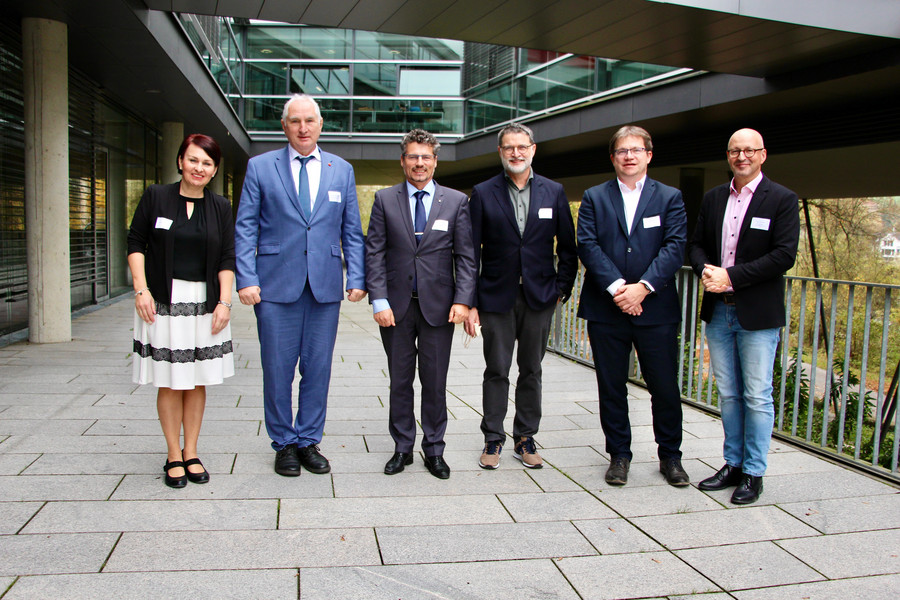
x,y
742,362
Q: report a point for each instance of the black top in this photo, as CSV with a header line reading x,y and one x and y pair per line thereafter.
x,y
151,234
190,242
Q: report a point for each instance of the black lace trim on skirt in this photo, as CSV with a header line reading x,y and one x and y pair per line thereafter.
x,y
182,356
181,309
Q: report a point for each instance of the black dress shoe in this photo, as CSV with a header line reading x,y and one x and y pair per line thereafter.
x,y
201,477
398,462
312,461
727,476
617,473
673,472
437,467
286,461
748,490
174,482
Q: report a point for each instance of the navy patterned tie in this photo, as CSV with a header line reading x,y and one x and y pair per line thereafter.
x,y
420,215
303,188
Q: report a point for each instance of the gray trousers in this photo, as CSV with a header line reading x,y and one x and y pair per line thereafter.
x,y
501,331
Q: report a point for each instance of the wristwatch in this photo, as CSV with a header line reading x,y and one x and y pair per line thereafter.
x,y
225,304
647,285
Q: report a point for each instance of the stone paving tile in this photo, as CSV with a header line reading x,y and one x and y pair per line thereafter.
x,y
416,481
721,527
658,500
184,515
459,581
13,464
849,554
106,444
805,487
227,487
616,536
466,543
233,585
713,596
217,550
390,512
113,464
743,566
554,506
649,574
215,397
148,427
20,427
58,487
845,515
13,515
566,458
871,588
552,480
57,553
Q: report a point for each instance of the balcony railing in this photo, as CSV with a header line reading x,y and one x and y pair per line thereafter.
x,y
836,371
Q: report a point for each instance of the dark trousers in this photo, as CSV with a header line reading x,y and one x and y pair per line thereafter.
x,y
530,328
410,338
657,353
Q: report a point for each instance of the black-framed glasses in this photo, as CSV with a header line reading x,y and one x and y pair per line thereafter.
x,y
415,157
748,152
510,149
623,152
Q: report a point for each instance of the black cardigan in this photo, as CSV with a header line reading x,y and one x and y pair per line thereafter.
x,y
157,244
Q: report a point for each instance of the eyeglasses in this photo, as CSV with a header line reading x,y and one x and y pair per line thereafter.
x,y
510,149
748,152
427,158
623,152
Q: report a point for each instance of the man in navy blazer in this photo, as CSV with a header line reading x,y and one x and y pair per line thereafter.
x,y
421,279
516,218
631,237
745,240
297,214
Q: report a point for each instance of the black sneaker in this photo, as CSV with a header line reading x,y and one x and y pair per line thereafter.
x,y
312,461
287,462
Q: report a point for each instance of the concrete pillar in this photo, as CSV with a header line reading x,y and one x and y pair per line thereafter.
x,y
45,72
172,136
217,185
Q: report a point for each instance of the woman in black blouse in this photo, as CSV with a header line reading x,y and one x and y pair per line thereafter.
x,y
181,255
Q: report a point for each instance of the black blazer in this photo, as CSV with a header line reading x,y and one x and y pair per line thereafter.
x,y
504,255
765,251
158,244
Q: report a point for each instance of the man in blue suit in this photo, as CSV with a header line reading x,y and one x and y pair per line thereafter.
x,y
516,218
631,237
297,213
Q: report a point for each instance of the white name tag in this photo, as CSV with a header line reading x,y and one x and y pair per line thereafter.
x,y
651,222
163,223
545,213
334,196
759,223
440,225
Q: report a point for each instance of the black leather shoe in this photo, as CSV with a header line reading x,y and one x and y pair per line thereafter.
x,y
398,462
437,467
617,473
312,461
286,461
727,476
673,472
174,482
748,490
201,477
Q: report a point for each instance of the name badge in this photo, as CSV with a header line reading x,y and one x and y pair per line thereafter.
x,y
163,223
759,223
545,213
440,225
651,222
334,196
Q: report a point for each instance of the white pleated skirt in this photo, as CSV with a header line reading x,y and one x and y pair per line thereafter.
x,y
178,350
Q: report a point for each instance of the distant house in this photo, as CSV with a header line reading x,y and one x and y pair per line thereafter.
x,y
890,245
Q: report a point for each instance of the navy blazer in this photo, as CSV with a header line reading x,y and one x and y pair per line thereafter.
x,y
443,262
505,255
652,251
279,249
766,250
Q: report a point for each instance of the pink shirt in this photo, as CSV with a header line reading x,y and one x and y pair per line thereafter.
x,y
735,210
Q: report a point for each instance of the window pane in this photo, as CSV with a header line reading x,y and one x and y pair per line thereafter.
x,y
317,80
429,82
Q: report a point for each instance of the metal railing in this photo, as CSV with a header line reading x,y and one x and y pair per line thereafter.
x,y
836,371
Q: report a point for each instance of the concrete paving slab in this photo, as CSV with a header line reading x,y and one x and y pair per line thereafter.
x,y
871,588
57,553
118,464
231,585
58,487
554,506
21,427
657,500
648,574
148,427
616,536
464,543
416,481
722,527
551,480
184,515
241,550
849,554
807,486
752,565
14,515
461,581
845,515
13,464
581,456
227,487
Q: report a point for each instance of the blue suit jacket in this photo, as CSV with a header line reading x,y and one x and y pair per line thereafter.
x,y
504,255
279,249
652,251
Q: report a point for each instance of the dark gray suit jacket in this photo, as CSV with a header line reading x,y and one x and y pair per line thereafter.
x,y
443,262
